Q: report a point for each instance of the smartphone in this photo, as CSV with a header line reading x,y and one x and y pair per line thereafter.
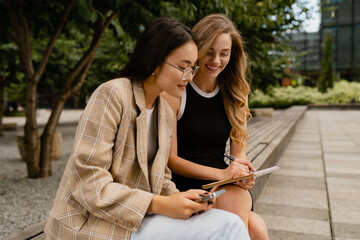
x,y
211,196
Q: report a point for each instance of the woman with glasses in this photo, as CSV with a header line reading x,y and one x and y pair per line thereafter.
x,y
213,109
116,184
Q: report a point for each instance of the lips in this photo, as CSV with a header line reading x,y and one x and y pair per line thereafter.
x,y
182,86
212,68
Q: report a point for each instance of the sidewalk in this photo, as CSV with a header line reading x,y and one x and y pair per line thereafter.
x,y
68,116
316,193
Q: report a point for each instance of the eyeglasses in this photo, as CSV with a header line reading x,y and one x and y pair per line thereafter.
x,y
185,72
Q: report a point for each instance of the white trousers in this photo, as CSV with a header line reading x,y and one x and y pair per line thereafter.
x,y
214,224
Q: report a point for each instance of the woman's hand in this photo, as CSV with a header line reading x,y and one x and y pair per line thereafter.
x,y
238,168
246,184
245,162
179,205
234,170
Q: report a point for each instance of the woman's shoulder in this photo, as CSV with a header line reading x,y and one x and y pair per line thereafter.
x,y
119,89
120,83
117,86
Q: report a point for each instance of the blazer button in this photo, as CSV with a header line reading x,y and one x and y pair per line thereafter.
x,y
122,221
129,224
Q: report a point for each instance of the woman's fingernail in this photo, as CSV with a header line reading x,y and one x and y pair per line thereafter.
x,y
201,195
201,211
237,182
254,169
210,202
242,181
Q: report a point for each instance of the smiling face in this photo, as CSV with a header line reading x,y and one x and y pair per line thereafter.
x,y
168,78
216,58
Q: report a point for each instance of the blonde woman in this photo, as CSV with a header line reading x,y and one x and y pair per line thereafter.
x,y
212,109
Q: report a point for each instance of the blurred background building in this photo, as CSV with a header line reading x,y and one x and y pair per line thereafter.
x,y
342,19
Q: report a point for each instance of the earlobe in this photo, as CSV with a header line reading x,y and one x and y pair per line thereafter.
x,y
156,71
149,69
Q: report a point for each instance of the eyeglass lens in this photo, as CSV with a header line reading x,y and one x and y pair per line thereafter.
x,y
189,71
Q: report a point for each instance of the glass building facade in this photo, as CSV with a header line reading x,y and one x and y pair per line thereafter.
x,y
341,18
306,45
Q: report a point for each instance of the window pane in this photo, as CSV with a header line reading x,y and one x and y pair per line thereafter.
x,y
344,12
357,46
344,47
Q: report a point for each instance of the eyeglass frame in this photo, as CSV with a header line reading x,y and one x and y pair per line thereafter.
x,y
194,70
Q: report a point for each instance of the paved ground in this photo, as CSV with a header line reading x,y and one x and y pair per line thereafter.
x,y
24,201
316,193
68,116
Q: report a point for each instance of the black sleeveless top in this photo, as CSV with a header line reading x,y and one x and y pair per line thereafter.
x,y
202,132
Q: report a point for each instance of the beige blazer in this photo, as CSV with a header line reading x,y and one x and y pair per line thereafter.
x,y
107,184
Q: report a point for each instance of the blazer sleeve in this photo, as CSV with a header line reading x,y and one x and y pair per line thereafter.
x,y
92,185
169,186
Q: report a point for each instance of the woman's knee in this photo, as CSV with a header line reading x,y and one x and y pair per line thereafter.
x,y
257,227
236,200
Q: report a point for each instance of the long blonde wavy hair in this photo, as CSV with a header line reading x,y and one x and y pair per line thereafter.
x,y
232,80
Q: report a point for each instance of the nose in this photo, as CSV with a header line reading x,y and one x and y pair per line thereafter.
x,y
189,78
216,59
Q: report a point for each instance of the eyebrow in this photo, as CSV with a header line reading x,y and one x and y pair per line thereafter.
x,y
225,49
188,62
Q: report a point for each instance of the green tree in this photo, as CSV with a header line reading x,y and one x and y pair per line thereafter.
x,y
45,23
326,79
110,58
263,25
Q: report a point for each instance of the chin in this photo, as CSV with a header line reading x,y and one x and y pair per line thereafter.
x,y
176,94
214,74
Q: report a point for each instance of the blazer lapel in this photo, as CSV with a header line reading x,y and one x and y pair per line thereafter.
x,y
141,133
161,158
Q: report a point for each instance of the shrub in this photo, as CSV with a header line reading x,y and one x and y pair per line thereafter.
x,y
279,97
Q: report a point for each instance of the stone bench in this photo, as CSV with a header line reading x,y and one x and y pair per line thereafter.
x,y
262,112
267,138
35,232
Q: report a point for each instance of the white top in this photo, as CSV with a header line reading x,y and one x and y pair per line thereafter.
x,y
200,92
152,134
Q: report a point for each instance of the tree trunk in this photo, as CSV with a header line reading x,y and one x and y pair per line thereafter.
x,y
31,132
40,166
2,86
22,39
47,138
